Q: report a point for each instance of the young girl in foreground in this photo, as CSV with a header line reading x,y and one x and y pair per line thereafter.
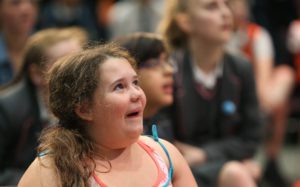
x,y
96,97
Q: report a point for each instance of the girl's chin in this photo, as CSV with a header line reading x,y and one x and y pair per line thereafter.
x,y
168,100
136,131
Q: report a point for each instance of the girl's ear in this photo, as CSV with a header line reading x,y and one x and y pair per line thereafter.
x,y
183,22
84,111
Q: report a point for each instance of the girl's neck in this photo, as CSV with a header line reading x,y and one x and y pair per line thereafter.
x,y
242,26
206,57
118,158
110,154
15,42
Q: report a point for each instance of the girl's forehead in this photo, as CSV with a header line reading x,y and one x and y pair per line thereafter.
x,y
113,67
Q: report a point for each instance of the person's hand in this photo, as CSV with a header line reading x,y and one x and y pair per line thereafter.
x,y
253,168
193,155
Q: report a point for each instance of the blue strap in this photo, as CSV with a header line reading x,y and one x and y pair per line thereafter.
x,y
43,153
171,168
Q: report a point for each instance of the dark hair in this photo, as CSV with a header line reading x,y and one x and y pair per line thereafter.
x,y
143,46
73,81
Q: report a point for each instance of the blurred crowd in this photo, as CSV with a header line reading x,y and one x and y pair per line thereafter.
x,y
229,72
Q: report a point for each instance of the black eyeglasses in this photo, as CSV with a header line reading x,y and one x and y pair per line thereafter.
x,y
158,63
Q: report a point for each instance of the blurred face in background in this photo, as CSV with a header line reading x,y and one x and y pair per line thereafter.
x,y
61,49
240,12
207,21
52,54
156,79
18,16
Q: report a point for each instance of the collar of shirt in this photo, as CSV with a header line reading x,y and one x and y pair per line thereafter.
x,y
208,80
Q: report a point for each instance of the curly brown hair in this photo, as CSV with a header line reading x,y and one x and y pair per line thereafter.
x,y
72,81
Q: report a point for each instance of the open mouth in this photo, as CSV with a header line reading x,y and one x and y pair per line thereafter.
x,y
168,88
133,114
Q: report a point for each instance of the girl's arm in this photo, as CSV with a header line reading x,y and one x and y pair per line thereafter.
x,y
182,175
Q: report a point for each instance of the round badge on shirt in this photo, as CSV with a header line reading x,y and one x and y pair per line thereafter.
x,y
228,107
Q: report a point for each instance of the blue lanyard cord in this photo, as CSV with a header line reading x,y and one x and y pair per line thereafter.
x,y
171,169
43,153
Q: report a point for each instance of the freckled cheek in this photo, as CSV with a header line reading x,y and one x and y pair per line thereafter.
x,y
118,110
111,110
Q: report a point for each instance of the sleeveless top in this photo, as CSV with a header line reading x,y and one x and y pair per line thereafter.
x,y
164,176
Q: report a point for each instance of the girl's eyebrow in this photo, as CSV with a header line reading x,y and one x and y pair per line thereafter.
x,y
122,78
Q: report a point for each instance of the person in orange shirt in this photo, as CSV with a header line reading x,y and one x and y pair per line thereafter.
x,y
274,83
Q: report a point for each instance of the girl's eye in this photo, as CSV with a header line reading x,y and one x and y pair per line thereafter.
x,y
119,86
136,82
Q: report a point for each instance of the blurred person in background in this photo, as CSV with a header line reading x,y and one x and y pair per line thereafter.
x,y
216,112
293,46
17,20
274,83
102,15
155,70
23,105
66,13
275,16
129,16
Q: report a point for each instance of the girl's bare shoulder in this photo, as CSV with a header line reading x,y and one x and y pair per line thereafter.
x,y
41,172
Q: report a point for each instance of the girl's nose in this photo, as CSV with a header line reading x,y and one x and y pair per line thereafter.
x,y
136,94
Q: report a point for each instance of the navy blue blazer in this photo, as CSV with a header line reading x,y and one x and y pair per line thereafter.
x,y
224,121
20,125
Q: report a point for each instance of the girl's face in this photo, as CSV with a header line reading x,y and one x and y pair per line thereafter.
x,y
18,16
119,102
156,79
209,20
